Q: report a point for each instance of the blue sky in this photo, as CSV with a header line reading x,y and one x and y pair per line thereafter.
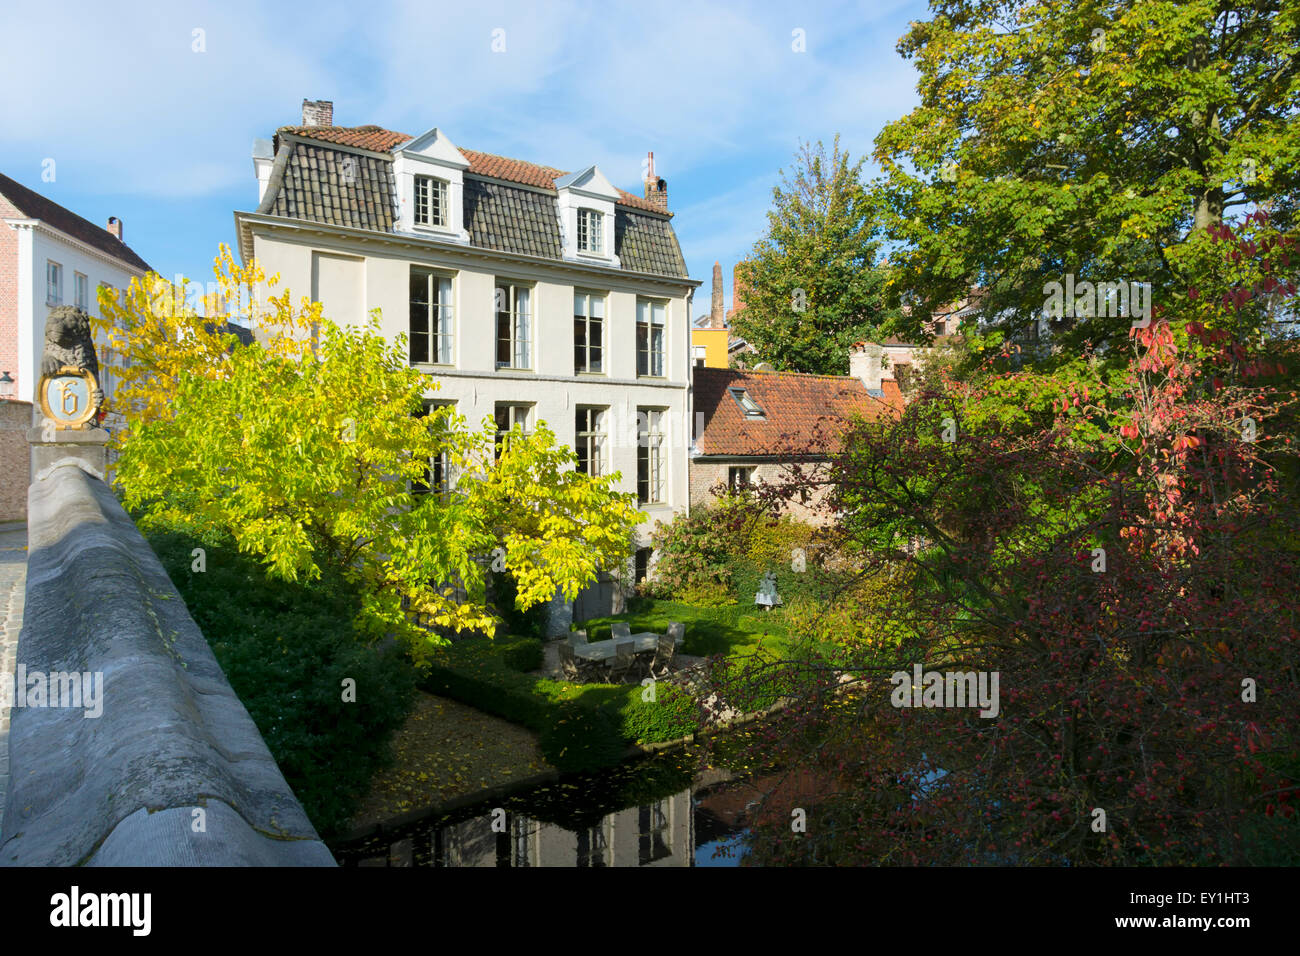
x,y
142,126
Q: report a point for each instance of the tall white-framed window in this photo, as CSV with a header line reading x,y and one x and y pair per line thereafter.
x,y
588,333
522,842
437,474
53,283
432,318
107,382
430,205
514,326
81,291
654,832
592,438
508,415
650,456
589,231
593,845
650,331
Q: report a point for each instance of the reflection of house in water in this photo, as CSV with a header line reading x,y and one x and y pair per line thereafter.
x,y
658,833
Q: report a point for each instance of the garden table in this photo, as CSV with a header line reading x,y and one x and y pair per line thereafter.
x,y
606,650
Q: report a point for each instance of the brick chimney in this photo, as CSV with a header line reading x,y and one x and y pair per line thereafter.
x,y
866,362
114,226
656,190
717,320
737,291
317,112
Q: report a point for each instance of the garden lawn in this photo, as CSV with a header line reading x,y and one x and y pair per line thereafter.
x,y
729,630
584,726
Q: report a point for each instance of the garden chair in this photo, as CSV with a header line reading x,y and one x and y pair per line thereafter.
x,y
622,662
677,631
621,631
569,662
664,654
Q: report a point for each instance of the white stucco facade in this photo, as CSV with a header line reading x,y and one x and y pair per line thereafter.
x,y
352,272
38,245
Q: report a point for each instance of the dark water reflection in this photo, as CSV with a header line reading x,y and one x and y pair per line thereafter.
x,y
662,811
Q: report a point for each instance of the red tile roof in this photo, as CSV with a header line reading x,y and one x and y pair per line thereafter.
x,y
374,138
380,140
801,412
511,170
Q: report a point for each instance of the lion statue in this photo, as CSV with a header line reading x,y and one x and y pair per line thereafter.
x,y
68,341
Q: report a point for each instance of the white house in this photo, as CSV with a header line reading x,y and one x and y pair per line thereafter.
x,y
51,256
48,256
528,294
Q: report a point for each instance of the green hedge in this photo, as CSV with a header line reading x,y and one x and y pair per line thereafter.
x,y
526,655
475,672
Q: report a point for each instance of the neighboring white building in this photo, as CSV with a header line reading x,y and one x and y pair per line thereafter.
x,y
48,256
528,294
51,256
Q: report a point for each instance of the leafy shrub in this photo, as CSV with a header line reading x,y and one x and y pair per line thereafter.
x,y
717,556
530,622
526,655
286,650
695,553
671,716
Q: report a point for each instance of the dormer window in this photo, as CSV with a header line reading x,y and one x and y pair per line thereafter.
x,y
429,175
431,202
585,202
747,404
589,238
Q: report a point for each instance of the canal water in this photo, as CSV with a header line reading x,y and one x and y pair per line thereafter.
x,y
658,811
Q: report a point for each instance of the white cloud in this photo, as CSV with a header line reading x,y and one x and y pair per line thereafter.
x,y
118,89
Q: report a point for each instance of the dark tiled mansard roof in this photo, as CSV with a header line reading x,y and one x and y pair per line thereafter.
x,y
333,186
321,183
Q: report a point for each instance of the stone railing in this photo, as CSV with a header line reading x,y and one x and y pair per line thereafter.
x,y
171,770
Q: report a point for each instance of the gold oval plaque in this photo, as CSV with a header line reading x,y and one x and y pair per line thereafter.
x,y
68,397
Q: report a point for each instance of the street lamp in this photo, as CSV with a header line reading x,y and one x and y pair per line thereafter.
x,y
6,385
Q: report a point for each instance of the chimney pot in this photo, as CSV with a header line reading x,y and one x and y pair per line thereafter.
x,y
114,226
716,318
317,112
656,190
737,291
866,362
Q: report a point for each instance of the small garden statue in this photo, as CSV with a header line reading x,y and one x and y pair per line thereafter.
x,y
69,393
767,595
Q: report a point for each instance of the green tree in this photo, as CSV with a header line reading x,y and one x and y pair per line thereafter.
x,y
812,286
305,463
1103,141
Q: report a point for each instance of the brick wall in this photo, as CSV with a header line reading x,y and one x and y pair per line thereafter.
x,y
9,292
705,475
15,459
